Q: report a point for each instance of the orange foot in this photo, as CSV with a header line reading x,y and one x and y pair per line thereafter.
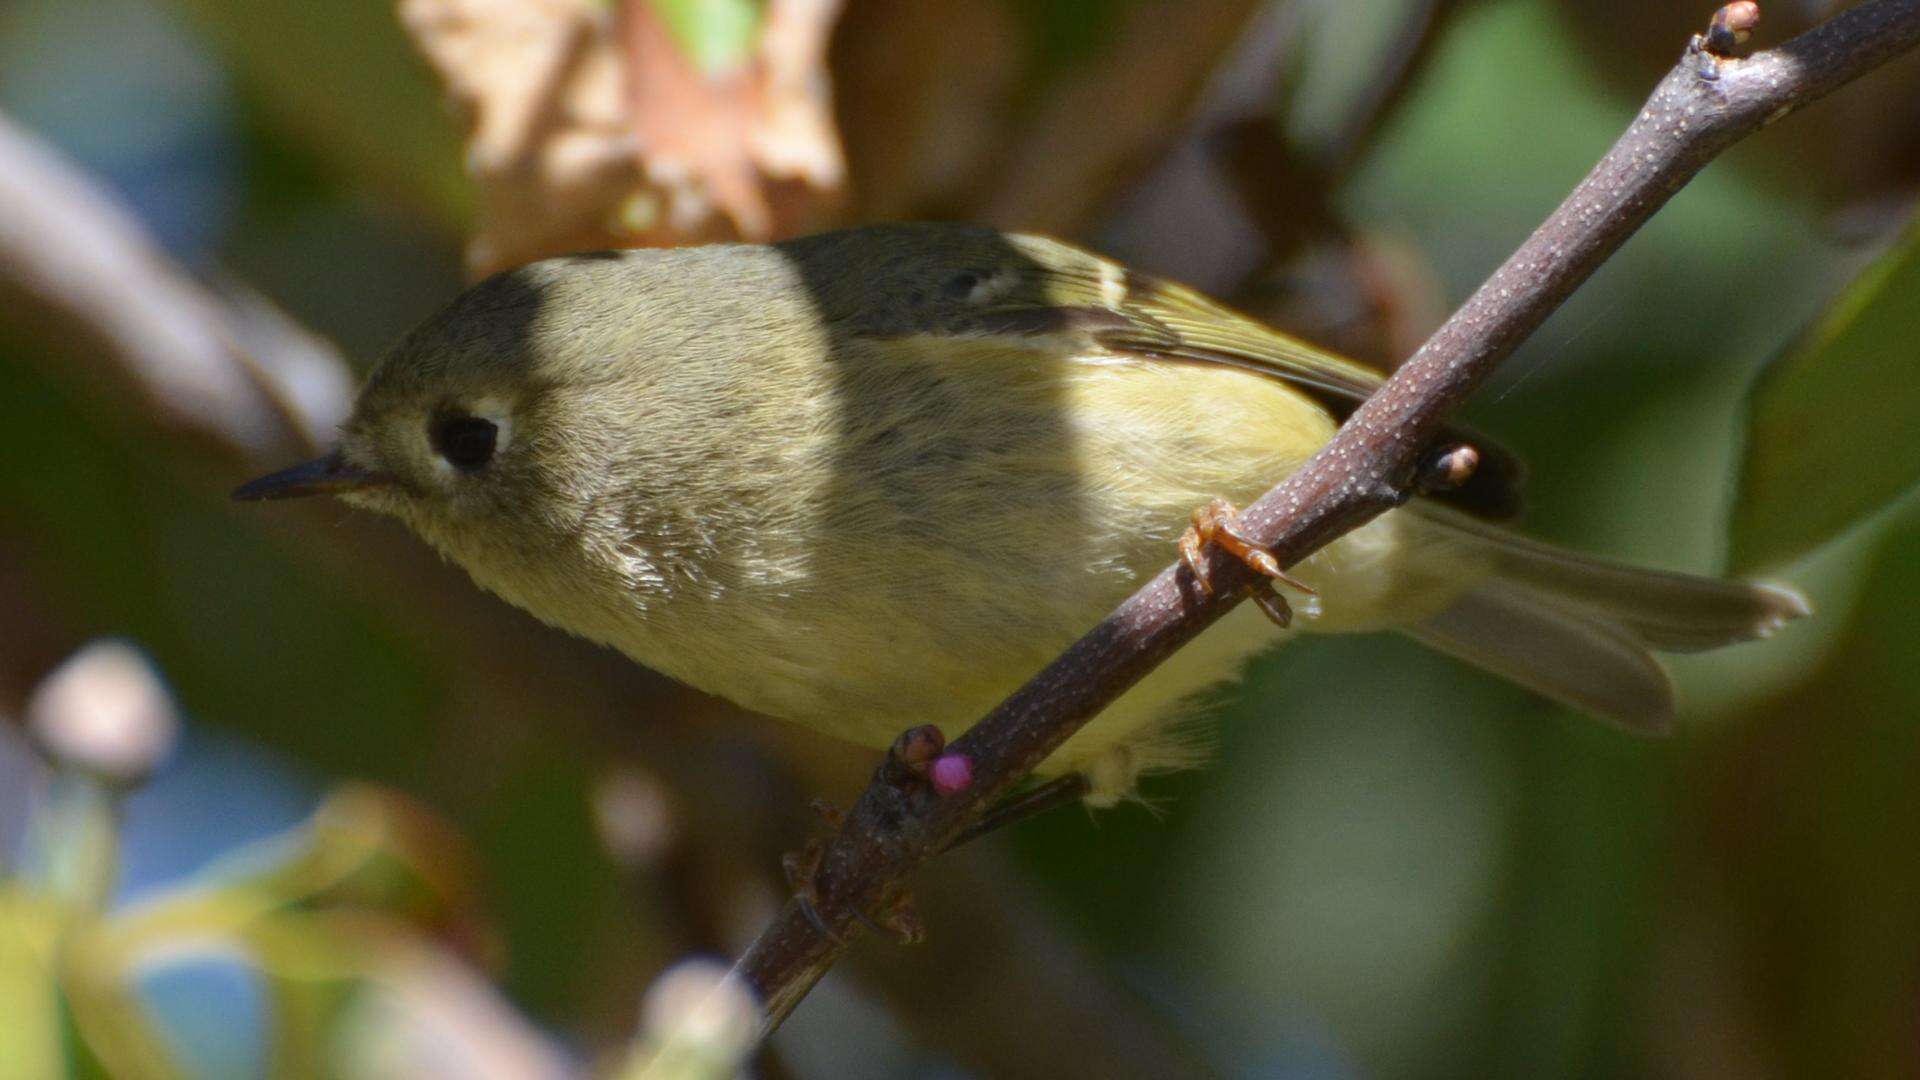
x,y
1213,524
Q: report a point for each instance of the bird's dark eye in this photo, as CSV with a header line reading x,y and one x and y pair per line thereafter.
x,y
961,285
465,441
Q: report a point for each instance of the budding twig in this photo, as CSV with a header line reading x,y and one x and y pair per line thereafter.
x,y
1731,26
1704,105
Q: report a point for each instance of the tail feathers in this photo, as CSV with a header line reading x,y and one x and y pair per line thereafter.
x,y
1565,655
1583,630
1668,612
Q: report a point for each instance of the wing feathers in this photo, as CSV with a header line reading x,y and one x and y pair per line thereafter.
x,y
1164,321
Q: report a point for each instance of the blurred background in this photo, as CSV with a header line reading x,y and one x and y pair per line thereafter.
x,y
319,807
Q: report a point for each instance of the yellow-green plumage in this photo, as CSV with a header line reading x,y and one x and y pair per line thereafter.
x,y
878,478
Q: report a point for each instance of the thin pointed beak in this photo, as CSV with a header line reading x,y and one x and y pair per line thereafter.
x,y
330,475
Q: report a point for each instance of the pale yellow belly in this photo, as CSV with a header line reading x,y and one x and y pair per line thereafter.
x,y
930,605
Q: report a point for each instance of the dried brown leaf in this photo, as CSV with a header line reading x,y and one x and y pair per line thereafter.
x,y
588,128
933,91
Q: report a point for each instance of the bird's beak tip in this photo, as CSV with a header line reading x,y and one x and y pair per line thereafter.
x,y
329,475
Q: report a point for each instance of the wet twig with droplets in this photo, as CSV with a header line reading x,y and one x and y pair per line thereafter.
x,y
1708,102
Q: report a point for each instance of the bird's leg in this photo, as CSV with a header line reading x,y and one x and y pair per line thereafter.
x,y
1016,808
1213,524
800,867
897,919
915,759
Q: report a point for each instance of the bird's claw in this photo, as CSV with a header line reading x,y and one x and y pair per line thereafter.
x,y
897,920
800,867
1214,524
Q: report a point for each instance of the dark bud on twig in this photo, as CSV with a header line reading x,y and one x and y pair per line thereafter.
x,y
1448,469
919,754
1731,26
915,750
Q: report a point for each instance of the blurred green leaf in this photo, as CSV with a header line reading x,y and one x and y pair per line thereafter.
x,y
110,1033
717,35
319,913
30,1039
366,850
1830,421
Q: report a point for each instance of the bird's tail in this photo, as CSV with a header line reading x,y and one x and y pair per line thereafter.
x,y
1583,631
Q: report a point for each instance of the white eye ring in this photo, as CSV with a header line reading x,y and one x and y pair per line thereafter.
x,y
497,413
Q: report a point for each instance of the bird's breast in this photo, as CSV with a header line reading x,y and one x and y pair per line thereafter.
x,y
914,538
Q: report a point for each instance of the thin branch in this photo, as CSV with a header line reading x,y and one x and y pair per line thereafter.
x,y
1704,105
227,367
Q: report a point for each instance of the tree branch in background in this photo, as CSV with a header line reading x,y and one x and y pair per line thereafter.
x,y
1705,104
230,368
1242,203
1406,58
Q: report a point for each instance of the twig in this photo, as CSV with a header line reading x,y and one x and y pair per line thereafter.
x,y
229,368
1704,105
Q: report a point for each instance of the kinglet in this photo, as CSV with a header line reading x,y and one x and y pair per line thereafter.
x,y
878,478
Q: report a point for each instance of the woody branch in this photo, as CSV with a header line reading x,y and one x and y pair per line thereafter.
x,y
1706,103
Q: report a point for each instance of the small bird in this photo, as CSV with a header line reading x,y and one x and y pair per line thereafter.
x,y
877,478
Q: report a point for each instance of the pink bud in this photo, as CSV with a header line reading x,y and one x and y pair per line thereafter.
x,y
951,773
